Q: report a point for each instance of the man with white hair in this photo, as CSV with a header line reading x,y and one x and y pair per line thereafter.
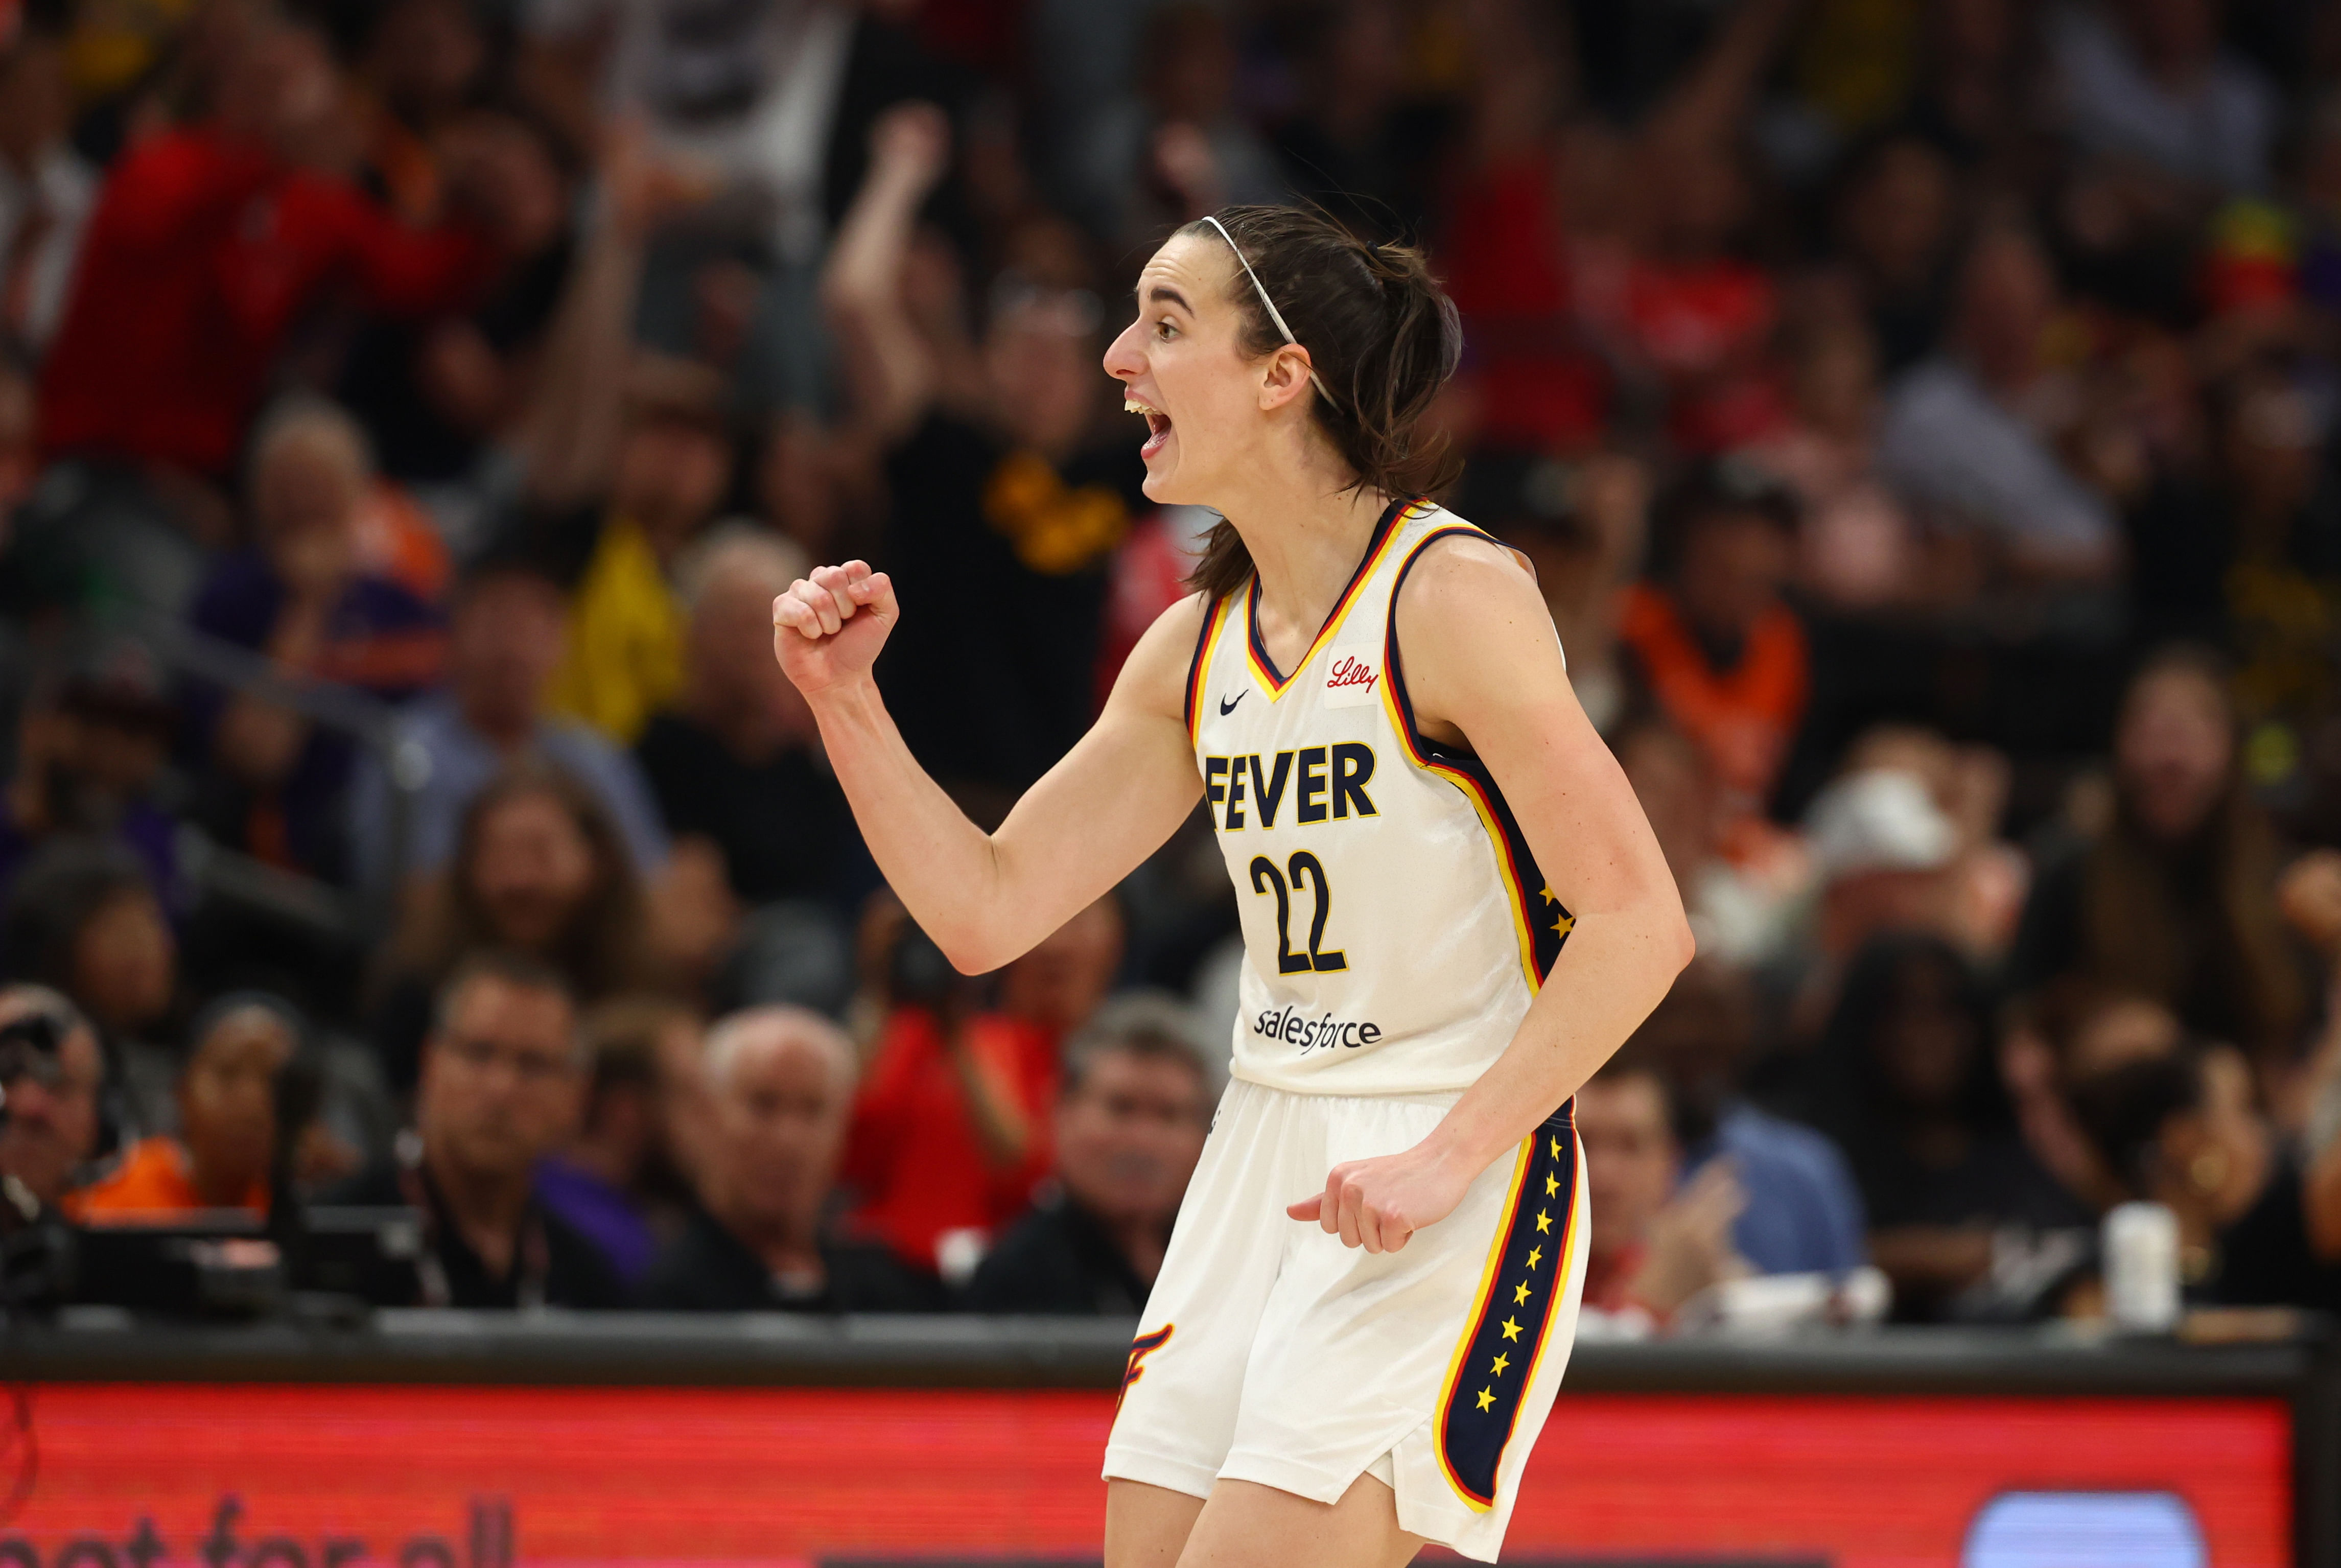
x,y
780,1085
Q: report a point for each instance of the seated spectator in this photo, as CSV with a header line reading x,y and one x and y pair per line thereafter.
x,y
500,1081
1130,1126
540,870
1987,878
1712,638
1583,542
781,1086
735,763
622,1180
1801,1213
1897,223
1058,985
1654,1241
1882,851
2071,1030
221,1155
2182,1131
1904,1082
773,856
1882,846
2172,900
2257,567
2248,555
504,642
91,755
1967,438
2310,898
47,191
670,467
306,599
54,1125
1859,550
950,1130
83,920
1740,879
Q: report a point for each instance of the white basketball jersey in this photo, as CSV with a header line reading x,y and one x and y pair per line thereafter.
x,y
1395,926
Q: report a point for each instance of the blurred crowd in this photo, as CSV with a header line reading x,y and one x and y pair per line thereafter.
x,y
1920,416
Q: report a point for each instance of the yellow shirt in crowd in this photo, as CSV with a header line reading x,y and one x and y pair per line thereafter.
x,y
624,661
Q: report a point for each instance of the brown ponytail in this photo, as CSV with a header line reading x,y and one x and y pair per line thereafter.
x,y
1381,333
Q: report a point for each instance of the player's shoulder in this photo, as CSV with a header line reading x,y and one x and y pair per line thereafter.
x,y
1155,674
1468,605
1458,563
1181,626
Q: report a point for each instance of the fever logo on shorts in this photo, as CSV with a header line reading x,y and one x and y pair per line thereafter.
x,y
1519,1296
1141,1347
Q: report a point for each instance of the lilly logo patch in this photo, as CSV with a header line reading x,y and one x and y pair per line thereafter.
x,y
1353,677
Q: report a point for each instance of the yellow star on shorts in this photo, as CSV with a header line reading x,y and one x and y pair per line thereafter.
x,y
1520,1294
1556,1153
1502,1362
1536,1256
1564,924
1550,897
1511,1329
1551,1185
1487,1399
1544,1217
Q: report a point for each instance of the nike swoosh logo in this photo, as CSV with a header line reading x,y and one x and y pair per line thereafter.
x,y
1227,707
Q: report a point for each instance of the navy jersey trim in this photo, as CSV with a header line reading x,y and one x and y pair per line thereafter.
x,y
1511,1322
1543,919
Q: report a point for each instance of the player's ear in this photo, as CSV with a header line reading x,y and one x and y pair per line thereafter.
x,y
1286,376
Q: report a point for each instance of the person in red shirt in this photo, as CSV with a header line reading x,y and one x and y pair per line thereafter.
x,y
951,1128
208,243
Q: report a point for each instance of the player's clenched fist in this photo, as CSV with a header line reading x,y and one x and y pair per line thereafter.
x,y
1378,1204
827,628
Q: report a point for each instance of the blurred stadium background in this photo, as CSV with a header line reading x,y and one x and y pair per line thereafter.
x,y
433,944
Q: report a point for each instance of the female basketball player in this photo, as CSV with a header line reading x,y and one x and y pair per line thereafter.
x,y
1372,1285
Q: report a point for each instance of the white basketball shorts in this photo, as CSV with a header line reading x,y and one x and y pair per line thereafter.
x,y
1271,1352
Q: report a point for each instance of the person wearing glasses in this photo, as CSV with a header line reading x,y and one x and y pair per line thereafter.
x,y
51,1081
502,1085
1453,912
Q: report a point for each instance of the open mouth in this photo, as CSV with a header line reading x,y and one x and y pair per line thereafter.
x,y
1158,426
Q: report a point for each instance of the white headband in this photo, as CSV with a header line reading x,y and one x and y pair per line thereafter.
x,y
1273,314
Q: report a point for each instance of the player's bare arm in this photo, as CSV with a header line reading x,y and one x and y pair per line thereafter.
x,y
986,898
1487,674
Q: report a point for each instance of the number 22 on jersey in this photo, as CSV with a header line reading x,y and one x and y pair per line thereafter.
x,y
1303,865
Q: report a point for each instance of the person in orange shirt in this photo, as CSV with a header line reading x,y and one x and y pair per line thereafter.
x,y
1712,638
227,1120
